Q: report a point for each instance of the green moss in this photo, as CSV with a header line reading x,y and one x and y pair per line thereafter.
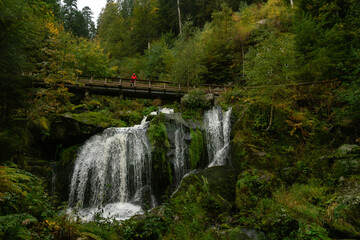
x,y
157,134
68,155
195,99
194,114
99,119
197,148
253,185
43,124
135,118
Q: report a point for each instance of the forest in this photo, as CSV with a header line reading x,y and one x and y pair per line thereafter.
x,y
292,74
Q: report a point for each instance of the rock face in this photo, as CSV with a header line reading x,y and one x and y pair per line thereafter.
x,y
173,141
346,207
69,130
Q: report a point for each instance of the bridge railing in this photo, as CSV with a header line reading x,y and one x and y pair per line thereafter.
x,y
148,84
141,84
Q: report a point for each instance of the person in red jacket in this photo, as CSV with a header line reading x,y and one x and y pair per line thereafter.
x,y
133,78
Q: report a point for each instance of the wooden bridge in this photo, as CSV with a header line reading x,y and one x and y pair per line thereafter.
x,y
139,88
151,89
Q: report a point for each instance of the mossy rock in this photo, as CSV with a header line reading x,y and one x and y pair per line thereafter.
x,y
278,224
344,162
68,130
236,234
347,149
68,155
161,168
252,185
97,119
345,210
197,149
197,99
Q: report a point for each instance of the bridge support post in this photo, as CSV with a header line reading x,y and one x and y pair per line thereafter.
x,y
87,93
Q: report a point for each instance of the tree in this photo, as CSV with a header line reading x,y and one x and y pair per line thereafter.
x,y
183,62
90,25
21,34
220,53
272,63
77,22
114,32
145,23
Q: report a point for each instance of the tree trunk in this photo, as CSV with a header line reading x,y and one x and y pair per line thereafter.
x,y
179,15
243,58
271,117
292,3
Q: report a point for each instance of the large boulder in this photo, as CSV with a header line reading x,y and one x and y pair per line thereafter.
x,y
344,211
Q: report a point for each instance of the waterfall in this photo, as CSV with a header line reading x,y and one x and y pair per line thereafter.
x,y
217,129
110,170
180,148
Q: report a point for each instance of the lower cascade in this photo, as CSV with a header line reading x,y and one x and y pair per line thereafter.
x,y
112,172
217,128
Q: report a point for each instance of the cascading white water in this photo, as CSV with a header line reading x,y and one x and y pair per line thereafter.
x,y
180,148
112,172
217,129
111,168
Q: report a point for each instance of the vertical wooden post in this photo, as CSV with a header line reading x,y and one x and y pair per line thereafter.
x,y
179,88
105,81
209,89
91,80
120,83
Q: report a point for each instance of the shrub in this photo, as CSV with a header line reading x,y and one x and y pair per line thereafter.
x,y
196,99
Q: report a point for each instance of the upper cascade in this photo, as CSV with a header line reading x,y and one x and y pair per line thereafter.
x,y
217,127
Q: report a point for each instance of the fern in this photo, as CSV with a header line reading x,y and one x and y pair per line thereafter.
x,y
13,181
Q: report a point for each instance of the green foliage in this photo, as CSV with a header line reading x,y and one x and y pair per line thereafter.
x,y
162,172
195,99
100,119
68,155
15,226
21,32
154,65
22,192
183,61
113,32
151,227
253,185
78,22
197,148
312,232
